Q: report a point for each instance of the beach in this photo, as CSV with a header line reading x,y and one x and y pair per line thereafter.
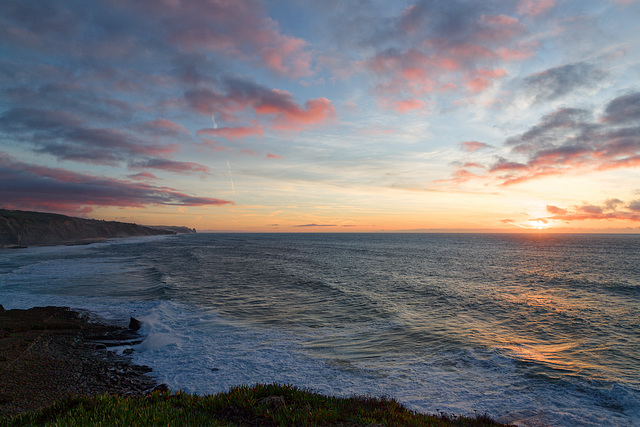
x,y
49,353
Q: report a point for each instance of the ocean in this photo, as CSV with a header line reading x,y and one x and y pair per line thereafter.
x,y
537,329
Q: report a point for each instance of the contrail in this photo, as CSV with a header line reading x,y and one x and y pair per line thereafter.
x,y
233,188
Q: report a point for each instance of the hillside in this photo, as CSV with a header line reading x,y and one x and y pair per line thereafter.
x,y
23,228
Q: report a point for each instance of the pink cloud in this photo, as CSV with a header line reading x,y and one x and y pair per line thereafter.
x,y
274,156
435,48
460,176
609,211
556,210
472,146
166,126
483,78
535,7
290,116
233,132
473,165
143,176
407,105
277,106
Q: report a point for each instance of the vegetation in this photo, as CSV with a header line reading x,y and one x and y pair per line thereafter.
x,y
261,405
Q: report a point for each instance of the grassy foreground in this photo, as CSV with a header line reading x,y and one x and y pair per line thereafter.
x,y
261,405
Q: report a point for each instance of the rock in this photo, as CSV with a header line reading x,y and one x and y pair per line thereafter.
x,y
61,360
161,387
215,369
1,307
134,324
128,351
117,338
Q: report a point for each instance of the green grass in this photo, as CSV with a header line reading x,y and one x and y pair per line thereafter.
x,y
262,405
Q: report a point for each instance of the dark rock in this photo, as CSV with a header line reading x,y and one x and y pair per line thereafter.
x,y
1,307
161,387
128,351
60,360
117,338
215,369
134,324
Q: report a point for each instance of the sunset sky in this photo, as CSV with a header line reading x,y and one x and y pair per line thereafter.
x,y
330,116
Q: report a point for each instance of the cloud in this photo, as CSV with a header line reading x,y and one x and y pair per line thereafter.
x,y
624,109
433,46
634,206
233,132
65,136
572,140
278,106
556,82
472,146
170,166
407,105
556,210
28,186
316,225
610,210
239,28
163,127
143,176
120,29
535,7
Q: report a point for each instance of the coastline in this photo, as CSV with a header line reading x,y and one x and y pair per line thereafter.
x,y
49,353
56,360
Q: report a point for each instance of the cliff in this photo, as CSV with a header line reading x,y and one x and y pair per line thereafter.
x,y
177,229
24,228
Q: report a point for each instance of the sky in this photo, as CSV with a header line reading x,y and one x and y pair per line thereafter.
x,y
331,116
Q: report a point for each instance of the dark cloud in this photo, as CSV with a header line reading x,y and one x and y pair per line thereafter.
x,y
611,204
591,209
35,187
65,136
556,82
624,109
634,206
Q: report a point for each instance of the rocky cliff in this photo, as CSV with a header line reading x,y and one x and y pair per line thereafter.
x,y
22,228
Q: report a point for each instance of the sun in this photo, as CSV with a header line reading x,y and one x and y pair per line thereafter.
x,y
538,223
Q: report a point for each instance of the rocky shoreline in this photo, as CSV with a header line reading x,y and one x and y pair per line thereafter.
x,y
49,353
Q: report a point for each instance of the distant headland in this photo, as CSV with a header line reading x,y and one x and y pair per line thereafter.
x,y
25,228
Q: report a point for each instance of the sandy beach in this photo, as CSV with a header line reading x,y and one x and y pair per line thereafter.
x,y
49,353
